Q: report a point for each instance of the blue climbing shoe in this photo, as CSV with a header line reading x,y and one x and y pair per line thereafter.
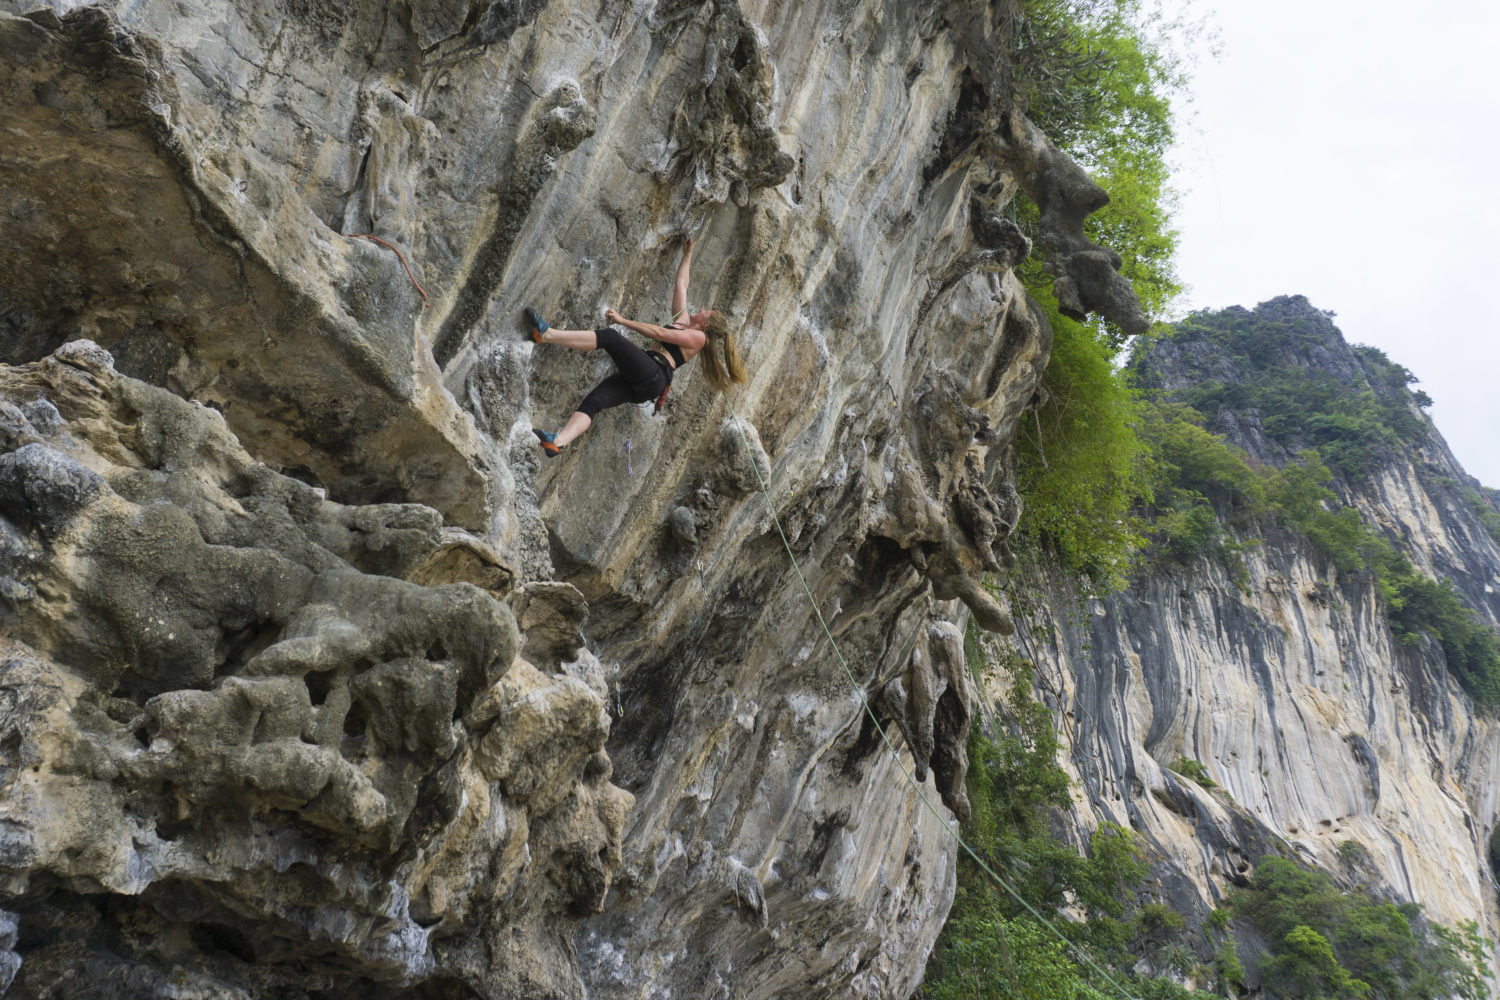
x,y
539,326
549,443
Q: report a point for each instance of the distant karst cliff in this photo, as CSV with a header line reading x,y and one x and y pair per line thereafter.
x,y
1267,656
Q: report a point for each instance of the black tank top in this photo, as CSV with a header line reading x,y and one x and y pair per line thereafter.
x,y
673,349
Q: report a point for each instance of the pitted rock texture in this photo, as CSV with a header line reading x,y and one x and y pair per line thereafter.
x,y
224,706
190,186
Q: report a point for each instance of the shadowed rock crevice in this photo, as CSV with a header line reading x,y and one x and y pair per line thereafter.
x,y
724,142
554,126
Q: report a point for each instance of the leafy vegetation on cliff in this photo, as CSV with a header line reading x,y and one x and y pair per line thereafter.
x,y
1418,606
1082,465
998,944
1324,942
1199,478
1210,499
1099,77
1111,473
1130,475
1354,423
1077,925
1483,503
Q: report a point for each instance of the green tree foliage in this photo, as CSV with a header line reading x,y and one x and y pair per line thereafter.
x,y
1195,475
1352,852
1205,495
1394,382
1081,463
1304,966
1014,784
1228,969
996,947
1348,946
1483,506
1472,951
1193,770
1416,605
1192,460
1299,499
1007,959
1299,410
1099,77
1419,606
1494,851
1354,426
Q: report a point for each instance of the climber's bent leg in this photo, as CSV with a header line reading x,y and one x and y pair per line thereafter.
x,y
613,391
616,390
579,340
578,422
633,362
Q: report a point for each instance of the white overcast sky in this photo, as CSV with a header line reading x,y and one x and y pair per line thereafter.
x,y
1348,152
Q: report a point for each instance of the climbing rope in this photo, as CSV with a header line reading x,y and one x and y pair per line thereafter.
x,y
1083,956
413,277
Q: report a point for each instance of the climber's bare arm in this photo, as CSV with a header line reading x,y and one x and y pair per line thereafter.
x,y
680,289
682,338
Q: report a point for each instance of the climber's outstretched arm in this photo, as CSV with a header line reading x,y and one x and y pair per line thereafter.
x,y
679,291
682,338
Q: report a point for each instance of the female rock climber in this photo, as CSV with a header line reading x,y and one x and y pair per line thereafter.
x,y
643,375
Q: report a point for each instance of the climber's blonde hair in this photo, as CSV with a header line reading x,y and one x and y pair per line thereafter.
x,y
721,357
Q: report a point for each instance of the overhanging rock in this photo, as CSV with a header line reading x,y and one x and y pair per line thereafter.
x,y
146,220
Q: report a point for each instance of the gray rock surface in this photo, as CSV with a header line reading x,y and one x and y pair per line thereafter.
x,y
289,735
315,680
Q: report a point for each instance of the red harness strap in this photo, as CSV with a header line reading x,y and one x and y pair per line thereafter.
x,y
666,367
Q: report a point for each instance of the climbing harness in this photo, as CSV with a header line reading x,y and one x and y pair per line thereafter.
x,y
661,400
1083,956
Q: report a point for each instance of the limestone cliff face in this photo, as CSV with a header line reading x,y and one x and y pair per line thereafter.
x,y
1315,724
316,682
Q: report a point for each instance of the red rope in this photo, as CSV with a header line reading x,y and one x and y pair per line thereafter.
x,y
413,277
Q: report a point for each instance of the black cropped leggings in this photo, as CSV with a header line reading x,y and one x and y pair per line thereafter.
x,y
640,377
